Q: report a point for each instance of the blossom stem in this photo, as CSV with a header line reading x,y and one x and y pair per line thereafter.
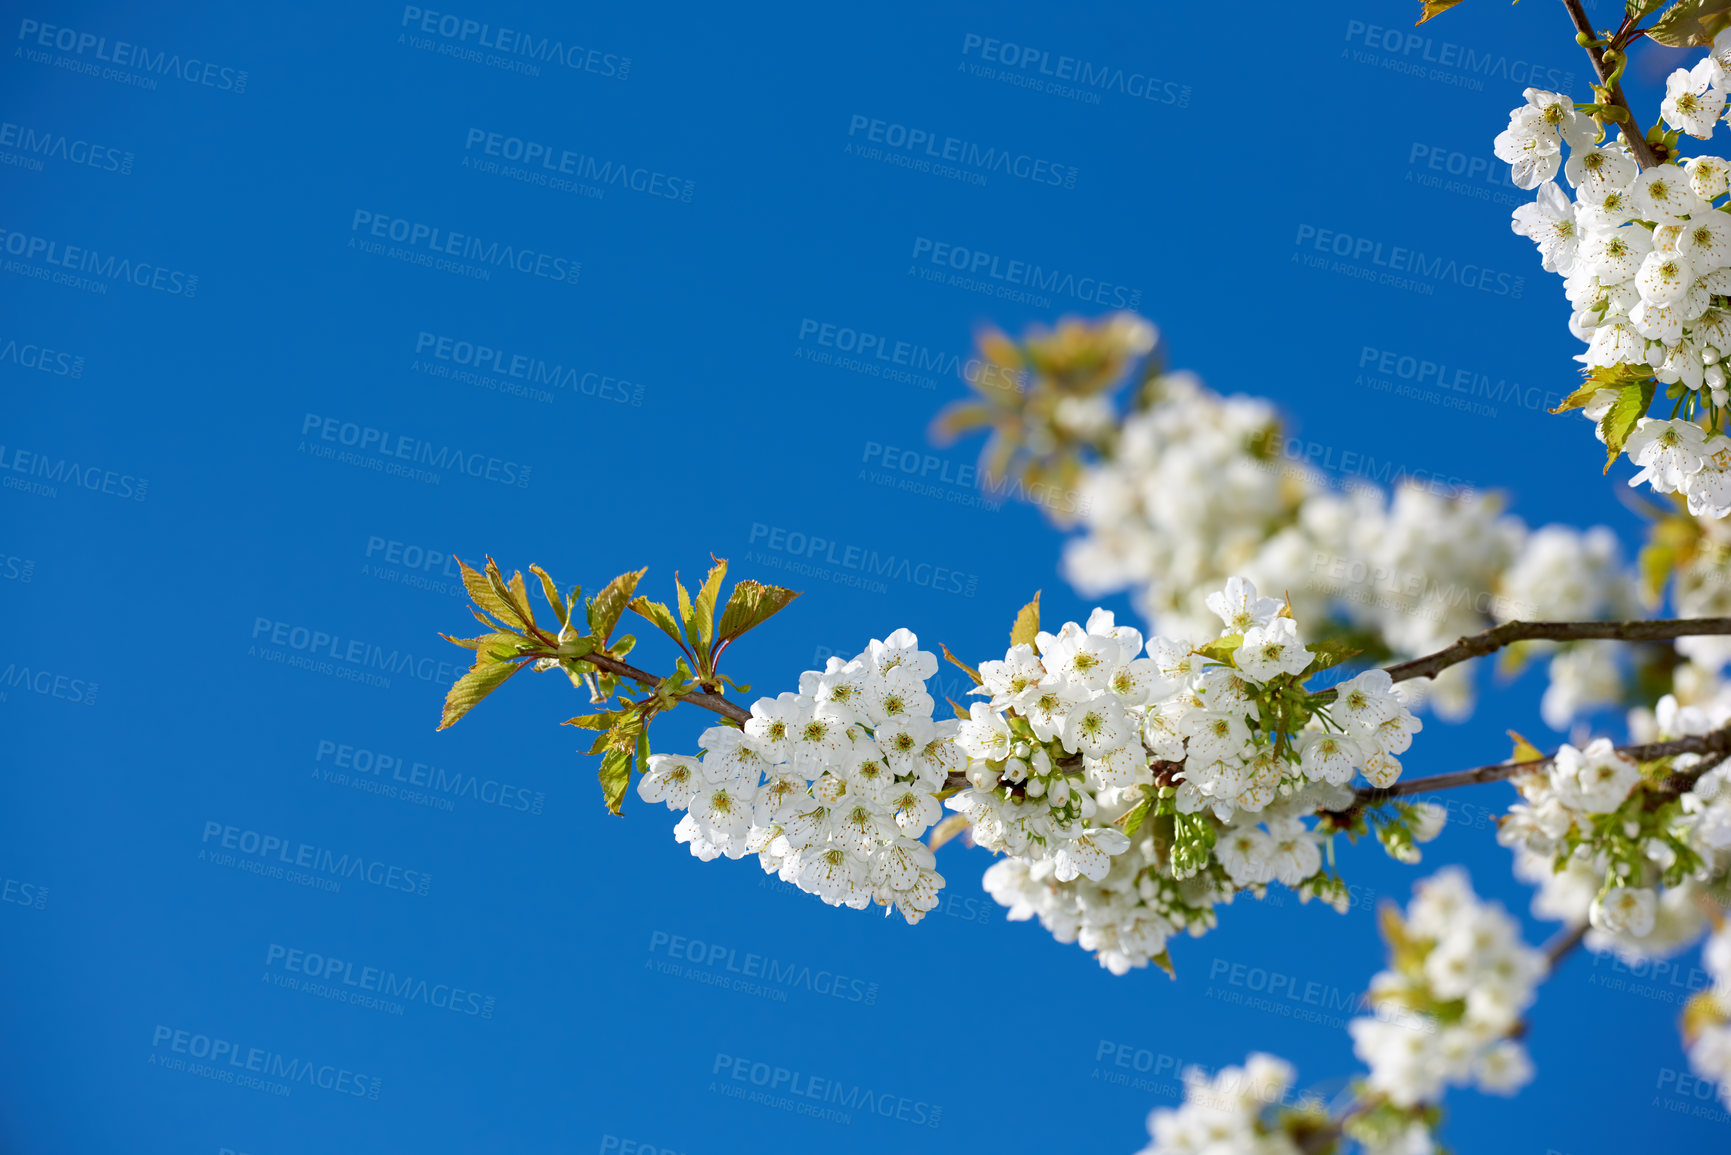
x,y
1638,146
712,702
1497,637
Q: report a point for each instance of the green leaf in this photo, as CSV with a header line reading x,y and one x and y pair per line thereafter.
x,y
660,615
484,596
520,592
606,606
959,664
502,590
1222,649
1429,9
1629,407
1329,654
1027,624
482,679
593,721
700,627
749,606
1639,8
550,591
1524,750
684,605
615,776
1135,816
1579,398
1691,23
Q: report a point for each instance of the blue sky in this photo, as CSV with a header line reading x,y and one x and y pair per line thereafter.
x,y
304,201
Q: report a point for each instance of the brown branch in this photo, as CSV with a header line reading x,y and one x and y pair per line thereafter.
x,y
1561,943
1630,127
1716,745
1491,640
712,702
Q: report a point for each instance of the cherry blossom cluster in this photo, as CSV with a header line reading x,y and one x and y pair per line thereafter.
x,y
1231,1112
1216,749
1460,980
1195,487
1646,263
1709,1016
1616,845
831,787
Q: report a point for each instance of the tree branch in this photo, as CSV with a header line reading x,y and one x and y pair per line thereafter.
x,y
1716,745
1630,127
1497,637
712,702
1561,943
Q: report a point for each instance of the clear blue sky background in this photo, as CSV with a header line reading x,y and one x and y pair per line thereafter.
x,y
691,415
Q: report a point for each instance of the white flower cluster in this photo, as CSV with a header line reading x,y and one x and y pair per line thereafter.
x,y
1646,262
831,787
1613,874
1226,1114
1710,1049
1445,1016
1069,741
1199,487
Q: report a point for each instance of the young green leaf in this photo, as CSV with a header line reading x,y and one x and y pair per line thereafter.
x,y
1630,406
1428,9
482,679
1329,654
606,606
615,776
959,664
703,611
1222,649
660,615
1691,23
1135,816
550,591
484,596
749,606
947,829
593,721
1027,625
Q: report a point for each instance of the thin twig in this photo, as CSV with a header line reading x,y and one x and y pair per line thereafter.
x,y
1497,637
1561,943
1630,128
712,702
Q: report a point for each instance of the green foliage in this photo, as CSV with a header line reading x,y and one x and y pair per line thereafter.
x,y
1329,653
585,648
1027,625
1689,23
1430,9
962,666
1222,649
1616,425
